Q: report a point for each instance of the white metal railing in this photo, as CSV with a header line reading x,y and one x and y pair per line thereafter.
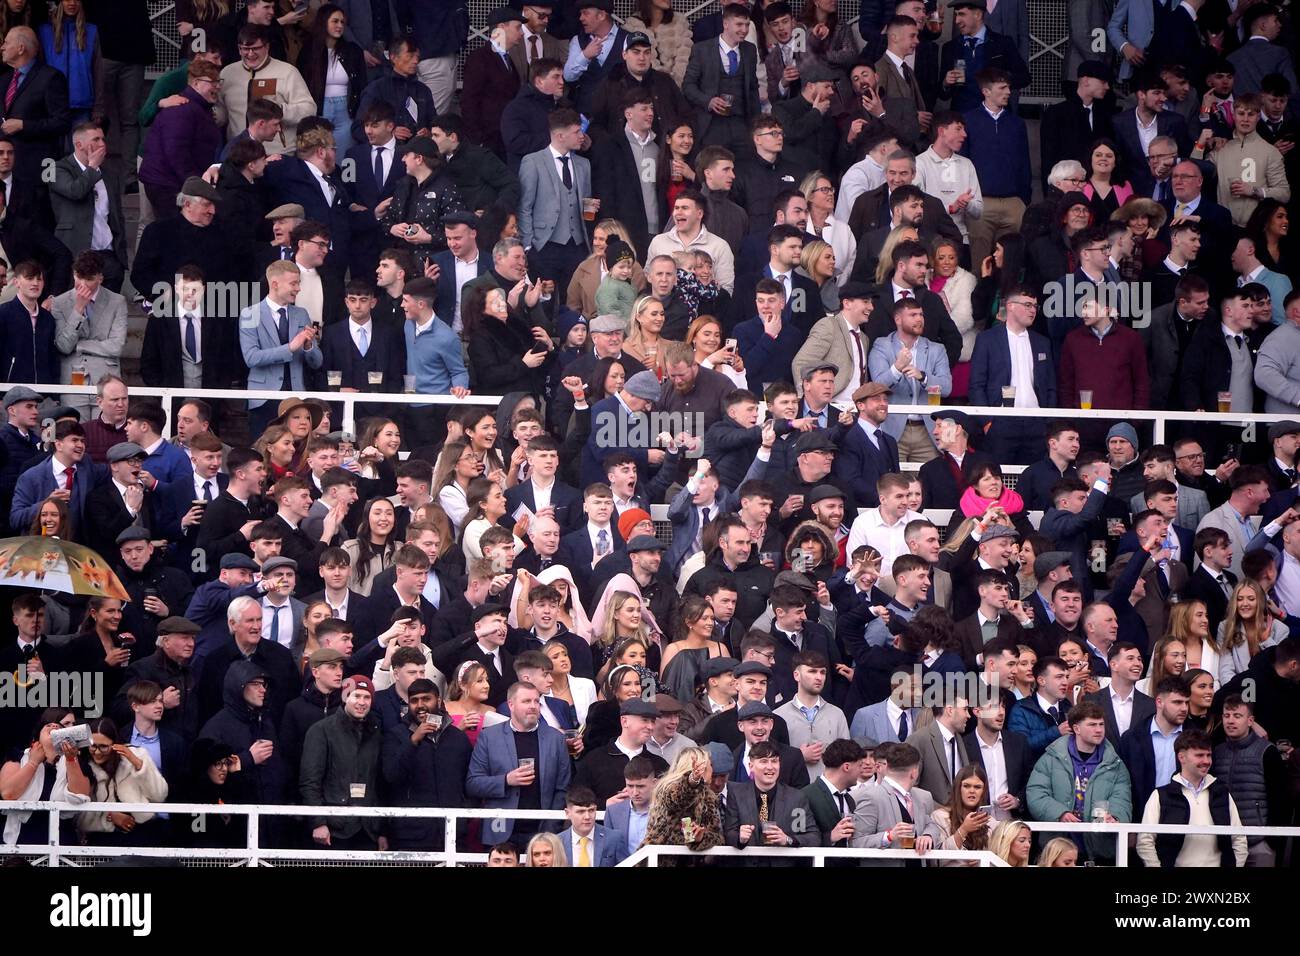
x,y
818,854
254,854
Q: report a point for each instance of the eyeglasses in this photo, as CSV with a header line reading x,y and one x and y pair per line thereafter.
x,y
1097,249
772,132
101,747
824,189
1024,304
1198,456
317,242
249,48
1078,181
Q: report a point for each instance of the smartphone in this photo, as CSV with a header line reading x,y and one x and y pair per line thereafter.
x,y
537,349
1233,451
987,808
731,345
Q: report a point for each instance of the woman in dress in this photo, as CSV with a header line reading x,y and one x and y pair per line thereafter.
x,y
602,724
956,286
373,548
684,658
466,704
1107,188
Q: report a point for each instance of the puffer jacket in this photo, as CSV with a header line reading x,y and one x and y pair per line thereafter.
x,y
1051,791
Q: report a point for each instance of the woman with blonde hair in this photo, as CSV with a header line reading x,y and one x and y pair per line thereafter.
x,y
885,264
819,190
705,337
279,453
1168,658
817,262
684,810
1011,841
1247,629
545,850
643,341
577,691
624,615
1059,851
956,286
591,272
964,826
1189,621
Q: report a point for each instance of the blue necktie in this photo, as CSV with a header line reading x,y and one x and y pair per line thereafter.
x,y
365,341
283,315
191,342
733,62
275,626
970,48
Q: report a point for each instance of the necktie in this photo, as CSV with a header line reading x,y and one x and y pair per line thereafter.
x,y
1223,583
284,253
567,177
533,51
207,490
1089,109
69,473
902,726
286,379
283,315
379,165
1055,714
496,661
733,64
1290,473
191,340
863,375
844,801
705,514
29,651
275,625
1238,340
584,855
12,91
952,758
762,808
602,543
364,335
908,76
970,48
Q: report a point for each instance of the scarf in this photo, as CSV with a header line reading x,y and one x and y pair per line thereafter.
x,y
973,505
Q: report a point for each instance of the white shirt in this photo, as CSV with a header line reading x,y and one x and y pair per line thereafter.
x,y
574,838
542,493
593,532
1022,368
311,294
354,329
861,177
560,159
860,372
341,611
326,188
1123,707
723,50
200,483
869,528
1288,584
466,271
995,768
284,634
1146,133
121,490
101,236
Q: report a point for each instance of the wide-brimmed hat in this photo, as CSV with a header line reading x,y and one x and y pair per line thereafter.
x,y
289,404
1141,206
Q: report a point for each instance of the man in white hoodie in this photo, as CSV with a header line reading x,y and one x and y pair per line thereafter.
x,y
1193,797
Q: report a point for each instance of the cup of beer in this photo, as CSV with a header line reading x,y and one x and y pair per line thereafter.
x,y
1008,396
729,99
1100,809
335,379
934,394
408,384
907,842
589,207
1225,402
960,67
375,378
1085,398
79,375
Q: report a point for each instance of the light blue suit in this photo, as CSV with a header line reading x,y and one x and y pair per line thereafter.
x,y
259,340
927,356
495,756
1279,287
1134,21
544,196
618,821
873,721
608,849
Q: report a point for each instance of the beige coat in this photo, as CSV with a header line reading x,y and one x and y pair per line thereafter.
x,y
581,296
1256,161
291,94
830,341
670,44
128,785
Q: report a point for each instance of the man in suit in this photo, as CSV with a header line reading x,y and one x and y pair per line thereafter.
x,y
497,776
898,88
227,523
1130,29
483,644
362,344
1147,749
721,82
1002,755
912,366
90,323
1123,704
541,490
594,52
627,813
459,264
596,538
1250,490
404,589
623,174
837,340
616,419
278,342
802,306
993,371
766,812
1211,583
1070,127
183,348
1169,333
35,105
1177,39
321,191
756,721
978,45
893,718
587,843
877,211
908,282
181,518
867,451
1158,464
187,238
556,190
1261,54
998,618
828,796
66,474
292,500
537,42
87,201
897,811
1150,91
120,503
942,749
375,168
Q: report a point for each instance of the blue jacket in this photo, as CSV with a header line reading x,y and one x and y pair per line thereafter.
x,y
435,359
1033,723
608,849
859,463
990,368
259,340
495,756
77,65
766,359
20,449
1069,532
36,483
290,181
612,430
1000,151
929,357
444,306
169,464
25,355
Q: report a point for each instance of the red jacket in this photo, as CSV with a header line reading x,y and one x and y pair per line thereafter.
x,y
1114,367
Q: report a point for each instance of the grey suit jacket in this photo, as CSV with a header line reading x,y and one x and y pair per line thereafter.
x,y
97,344
880,810
1225,519
1011,19
259,340
72,195
1193,505
788,809
873,721
1256,59
901,101
704,76
544,196
935,774
830,340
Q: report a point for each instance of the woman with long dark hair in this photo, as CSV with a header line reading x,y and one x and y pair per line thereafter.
x,y
684,658
964,826
335,71
380,441
1000,272
44,772
457,467
830,39
101,646
53,520
373,548
1107,188
676,172
505,355
120,773
1270,226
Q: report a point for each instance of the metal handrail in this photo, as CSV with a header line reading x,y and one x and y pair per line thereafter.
x,y
819,854
1121,831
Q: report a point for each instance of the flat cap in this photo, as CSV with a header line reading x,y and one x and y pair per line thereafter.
x,y
289,210
871,389
998,531
644,385
752,667
645,542
667,704
720,757
177,625
486,610
822,492
277,562
606,5
20,393
1049,561
504,15
125,451
237,562
608,323
813,70
815,440
717,666
196,188
972,4
856,290
1097,70
957,416
801,581
325,655
636,707
133,533
755,708
820,367
1283,428
59,412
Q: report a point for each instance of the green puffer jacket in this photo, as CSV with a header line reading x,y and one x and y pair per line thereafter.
x,y
1051,791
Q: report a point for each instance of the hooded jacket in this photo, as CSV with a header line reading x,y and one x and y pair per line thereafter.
x,y
340,768
1050,792
238,725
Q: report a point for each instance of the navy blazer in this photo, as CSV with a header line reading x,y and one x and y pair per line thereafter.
x,y
991,368
565,499
290,181
1139,755
860,464
444,305
609,413
365,190
997,51
386,353
576,552
28,355
1136,169
36,483
803,306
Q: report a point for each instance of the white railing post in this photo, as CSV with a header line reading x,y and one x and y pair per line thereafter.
x,y
1121,848
53,823
449,822
253,836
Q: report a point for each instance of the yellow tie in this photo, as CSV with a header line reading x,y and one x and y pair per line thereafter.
x,y
1180,209
584,856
